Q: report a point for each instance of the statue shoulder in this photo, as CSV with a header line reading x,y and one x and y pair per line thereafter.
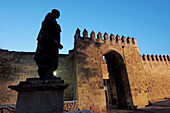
x,y
58,27
49,15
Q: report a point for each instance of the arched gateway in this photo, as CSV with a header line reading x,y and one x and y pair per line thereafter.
x,y
114,81
97,69
117,88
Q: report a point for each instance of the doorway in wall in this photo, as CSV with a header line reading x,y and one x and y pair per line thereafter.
x,y
117,89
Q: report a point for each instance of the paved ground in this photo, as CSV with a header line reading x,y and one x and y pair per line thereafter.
x,y
159,106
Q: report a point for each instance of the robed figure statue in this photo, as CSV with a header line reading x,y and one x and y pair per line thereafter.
x,y
48,46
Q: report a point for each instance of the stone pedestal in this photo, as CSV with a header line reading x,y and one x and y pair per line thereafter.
x,y
40,96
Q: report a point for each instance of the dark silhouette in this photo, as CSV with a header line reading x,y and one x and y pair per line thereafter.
x,y
48,46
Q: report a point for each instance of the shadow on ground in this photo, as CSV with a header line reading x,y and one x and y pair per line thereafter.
x,y
158,106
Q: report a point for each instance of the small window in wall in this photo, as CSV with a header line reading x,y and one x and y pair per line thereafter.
x,y
104,58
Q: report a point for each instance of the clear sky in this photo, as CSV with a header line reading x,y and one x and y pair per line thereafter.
x,y
146,20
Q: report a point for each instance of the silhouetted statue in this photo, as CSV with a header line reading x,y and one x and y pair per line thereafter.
x,y
48,46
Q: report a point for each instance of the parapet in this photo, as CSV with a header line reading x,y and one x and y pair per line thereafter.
x,y
15,52
155,58
4,51
105,39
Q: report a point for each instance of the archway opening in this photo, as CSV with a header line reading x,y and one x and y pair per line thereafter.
x,y
117,89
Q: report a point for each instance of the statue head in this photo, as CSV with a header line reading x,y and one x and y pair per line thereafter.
x,y
55,13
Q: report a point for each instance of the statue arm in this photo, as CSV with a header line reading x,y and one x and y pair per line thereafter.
x,y
58,45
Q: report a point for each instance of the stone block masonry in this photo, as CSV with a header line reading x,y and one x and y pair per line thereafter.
x,y
14,67
17,66
66,72
158,76
89,52
102,71
127,79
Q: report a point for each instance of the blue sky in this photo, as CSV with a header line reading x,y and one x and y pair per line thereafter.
x,y
146,20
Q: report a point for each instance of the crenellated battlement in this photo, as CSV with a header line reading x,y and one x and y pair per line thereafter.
x,y
155,58
96,58
105,39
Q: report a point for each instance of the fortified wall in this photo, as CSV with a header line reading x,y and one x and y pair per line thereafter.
x,y
126,78
17,66
157,69
102,70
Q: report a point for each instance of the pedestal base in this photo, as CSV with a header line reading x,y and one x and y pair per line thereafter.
x,y
40,96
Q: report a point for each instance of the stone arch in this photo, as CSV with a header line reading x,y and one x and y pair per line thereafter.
x,y
107,50
118,87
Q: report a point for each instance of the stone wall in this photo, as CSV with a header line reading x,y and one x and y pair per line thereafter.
x,y
14,67
90,82
89,52
131,80
17,66
158,76
66,72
